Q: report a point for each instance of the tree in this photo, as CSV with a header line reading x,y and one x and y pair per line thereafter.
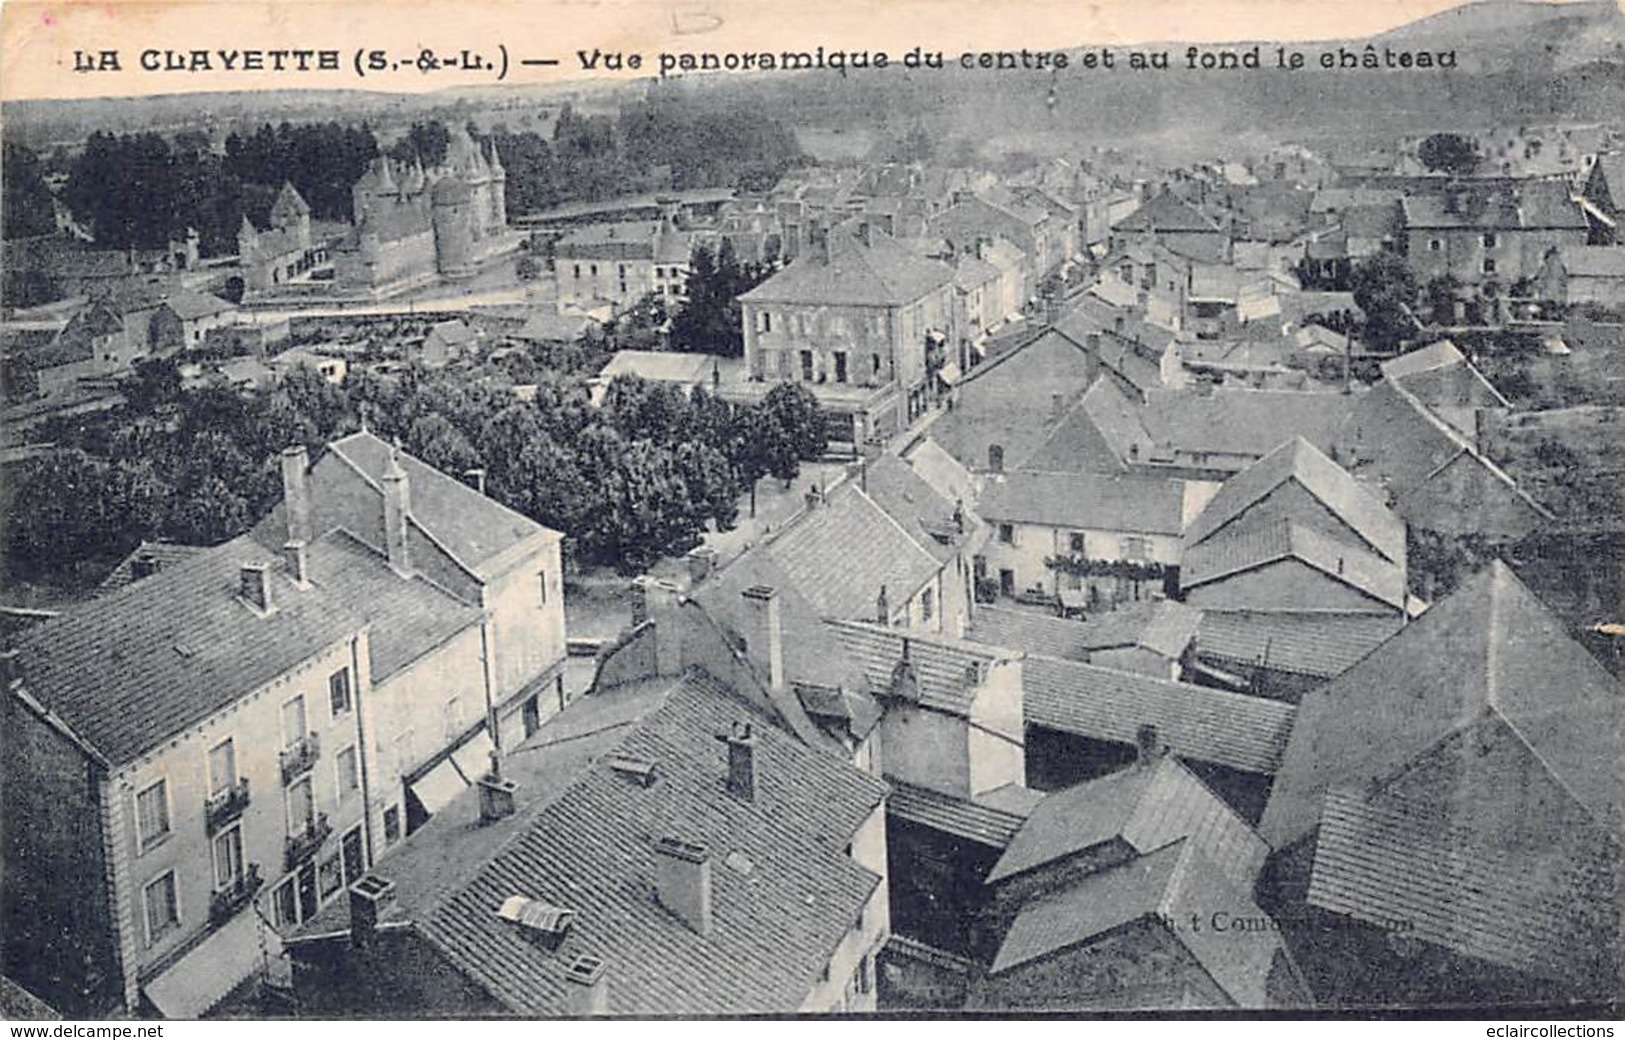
x,y
28,210
1384,288
1449,153
790,425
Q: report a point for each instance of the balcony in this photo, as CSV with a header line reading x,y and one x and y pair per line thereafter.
x,y
225,903
301,847
298,758
225,807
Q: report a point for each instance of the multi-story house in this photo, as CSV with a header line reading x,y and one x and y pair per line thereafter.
x,y
1499,232
861,322
188,745
622,263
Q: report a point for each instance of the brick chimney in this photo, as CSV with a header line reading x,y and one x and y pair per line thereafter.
x,y
369,897
296,555
1148,746
143,566
882,607
683,881
741,741
296,492
254,585
586,987
702,560
764,641
397,507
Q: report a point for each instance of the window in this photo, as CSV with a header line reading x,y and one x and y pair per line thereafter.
x,y
767,321
1489,240
927,604
806,366
301,807
840,366
1076,542
1489,265
293,721
1007,534
163,908
338,691
330,877
349,774
541,587
285,904
392,825
152,815
228,858
995,458
1434,245
874,361
866,974
1136,548
450,713
592,269
577,273
222,767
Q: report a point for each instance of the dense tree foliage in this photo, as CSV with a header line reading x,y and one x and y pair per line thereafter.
x,y
1385,289
1449,153
638,478
27,201
710,321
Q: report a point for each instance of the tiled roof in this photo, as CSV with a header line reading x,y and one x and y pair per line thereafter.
x,y
546,326
1299,461
882,273
1490,647
949,670
1243,422
1229,729
841,553
1086,501
784,891
191,305
410,616
1233,552
966,818
1320,644
129,670
1531,205
1166,213
906,497
1172,885
1029,632
477,531
161,554
1394,863
452,332
1146,807
1078,444
1593,261
660,365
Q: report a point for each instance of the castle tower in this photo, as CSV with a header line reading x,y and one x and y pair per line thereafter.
x,y
499,191
453,215
290,211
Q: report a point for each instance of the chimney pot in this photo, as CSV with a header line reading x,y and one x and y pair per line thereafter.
x,y
702,559
683,881
143,566
1148,745
368,898
256,586
741,760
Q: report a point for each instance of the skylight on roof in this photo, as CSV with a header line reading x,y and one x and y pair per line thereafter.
x,y
547,922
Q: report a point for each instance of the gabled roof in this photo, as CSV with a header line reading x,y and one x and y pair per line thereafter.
x,y
190,306
1165,889
1413,372
132,669
841,553
1532,204
948,672
158,554
1319,644
1167,212
1489,648
881,273
973,819
784,891
1235,552
1161,626
907,498
1128,502
1300,462
477,532
289,202
668,366
1243,422
1146,807
1195,722
1593,261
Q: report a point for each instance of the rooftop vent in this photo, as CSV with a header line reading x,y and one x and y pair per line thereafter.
x,y
368,898
640,771
587,985
255,587
542,921
143,566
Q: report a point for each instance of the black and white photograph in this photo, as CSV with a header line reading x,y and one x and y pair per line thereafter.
x,y
705,510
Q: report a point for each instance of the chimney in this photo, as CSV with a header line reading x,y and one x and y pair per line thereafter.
x,y
369,896
882,607
815,497
764,643
1057,405
866,233
741,760
143,566
397,506
296,492
297,556
586,987
683,881
475,478
496,794
255,587
1148,746
702,559
638,594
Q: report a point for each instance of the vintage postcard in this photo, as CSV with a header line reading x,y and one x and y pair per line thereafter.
x,y
695,508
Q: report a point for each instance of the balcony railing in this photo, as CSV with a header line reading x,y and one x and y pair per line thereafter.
x,y
226,806
301,847
298,758
225,903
